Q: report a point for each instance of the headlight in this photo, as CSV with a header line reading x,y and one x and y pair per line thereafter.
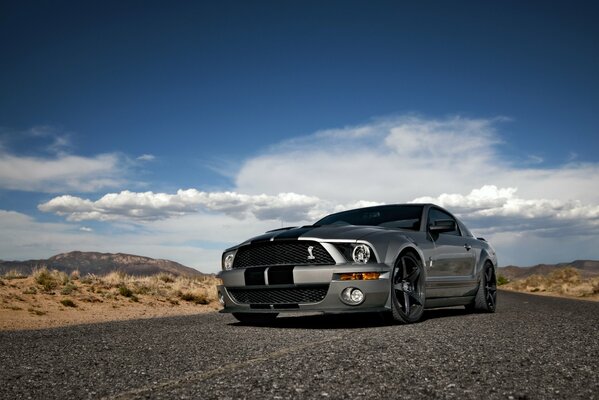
x,y
228,260
357,252
361,254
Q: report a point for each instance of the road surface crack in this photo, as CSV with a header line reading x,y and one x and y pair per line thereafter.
x,y
198,376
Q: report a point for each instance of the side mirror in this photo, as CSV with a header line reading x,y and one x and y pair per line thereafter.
x,y
442,226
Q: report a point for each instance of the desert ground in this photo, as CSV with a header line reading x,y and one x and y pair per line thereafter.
x,y
564,282
51,298
47,299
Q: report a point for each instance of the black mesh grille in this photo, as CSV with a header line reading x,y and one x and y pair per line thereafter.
x,y
282,253
279,296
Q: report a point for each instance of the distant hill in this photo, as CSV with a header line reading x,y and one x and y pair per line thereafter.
x,y
101,264
586,268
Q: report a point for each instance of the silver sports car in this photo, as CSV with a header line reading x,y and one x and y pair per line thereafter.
x,y
396,259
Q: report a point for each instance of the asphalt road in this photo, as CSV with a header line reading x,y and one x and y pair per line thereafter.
x,y
534,347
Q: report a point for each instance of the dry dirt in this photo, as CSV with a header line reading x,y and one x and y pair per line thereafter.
x,y
565,282
56,299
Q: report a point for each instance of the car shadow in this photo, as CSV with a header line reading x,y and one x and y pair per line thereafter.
x,y
349,320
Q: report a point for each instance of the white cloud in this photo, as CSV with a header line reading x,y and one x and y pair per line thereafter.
x,y
149,206
453,161
60,173
501,210
146,157
86,229
398,160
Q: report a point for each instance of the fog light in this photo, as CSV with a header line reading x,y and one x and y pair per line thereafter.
x,y
221,298
357,296
352,296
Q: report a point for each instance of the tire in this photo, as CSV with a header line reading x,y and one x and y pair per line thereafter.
x,y
407,289
486,296
255,318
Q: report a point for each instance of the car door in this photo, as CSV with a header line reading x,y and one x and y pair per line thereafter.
x,y
451,266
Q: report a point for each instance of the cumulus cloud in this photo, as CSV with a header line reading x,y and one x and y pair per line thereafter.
x,y
456,162
400,159
500,209
149,206
60,173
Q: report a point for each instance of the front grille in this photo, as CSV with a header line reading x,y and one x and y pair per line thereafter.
x,y
282,253
279,296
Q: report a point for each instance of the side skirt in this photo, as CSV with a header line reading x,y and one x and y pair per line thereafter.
x,y
448,302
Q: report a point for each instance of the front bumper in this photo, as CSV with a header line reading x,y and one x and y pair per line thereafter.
x,y
306,278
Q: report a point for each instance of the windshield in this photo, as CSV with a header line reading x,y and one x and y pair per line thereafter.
x,y
402,216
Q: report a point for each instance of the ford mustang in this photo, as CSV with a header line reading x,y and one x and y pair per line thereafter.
x,y
395,259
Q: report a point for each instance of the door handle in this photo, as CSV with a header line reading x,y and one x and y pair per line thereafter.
x,y
467,246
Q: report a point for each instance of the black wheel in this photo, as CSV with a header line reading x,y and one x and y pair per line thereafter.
x,y
486,296
255,318
407,290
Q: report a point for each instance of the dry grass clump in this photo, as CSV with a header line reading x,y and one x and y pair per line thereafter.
x,y
13,274
68,303
49,280
564,281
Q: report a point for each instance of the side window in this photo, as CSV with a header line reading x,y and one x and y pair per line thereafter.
x,y
434,214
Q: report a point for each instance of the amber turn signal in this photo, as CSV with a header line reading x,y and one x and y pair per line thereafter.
x,y
360,276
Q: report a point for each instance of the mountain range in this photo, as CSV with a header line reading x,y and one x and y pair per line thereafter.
x,y
100,264
104,263
586,268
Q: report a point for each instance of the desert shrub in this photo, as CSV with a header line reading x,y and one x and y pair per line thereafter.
x,y
14,274
125,291
563,275
115,278
197,298
502,280
68,288
143,289
68,303
75,275
166,278
89,279
45,278
2,283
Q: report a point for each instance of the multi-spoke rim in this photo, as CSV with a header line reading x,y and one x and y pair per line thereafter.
x,y
490,288
407,285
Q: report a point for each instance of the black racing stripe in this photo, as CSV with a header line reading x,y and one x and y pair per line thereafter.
x,y
293,233
280,275
254,276
263,238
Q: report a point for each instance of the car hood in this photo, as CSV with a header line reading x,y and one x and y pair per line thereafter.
x,y
328,232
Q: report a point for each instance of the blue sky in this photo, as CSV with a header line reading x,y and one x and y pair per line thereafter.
x,y
493,102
